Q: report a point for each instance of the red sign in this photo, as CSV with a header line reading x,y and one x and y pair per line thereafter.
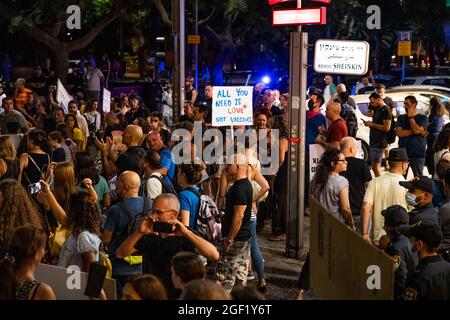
x,y
274,2
292,17
294,140
323,1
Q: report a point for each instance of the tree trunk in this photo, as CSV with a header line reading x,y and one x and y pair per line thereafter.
x,y
61,64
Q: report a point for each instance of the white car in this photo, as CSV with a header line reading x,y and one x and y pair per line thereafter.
x,y
425,88
436,80
362,107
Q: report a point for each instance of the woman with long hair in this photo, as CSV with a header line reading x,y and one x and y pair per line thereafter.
x,y
75,132
144,287
85,168
19,263
64,183
435,125
10,163
83,245
331,191
188,177
35,162
16,209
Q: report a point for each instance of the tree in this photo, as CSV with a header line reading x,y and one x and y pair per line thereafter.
x,y
45,22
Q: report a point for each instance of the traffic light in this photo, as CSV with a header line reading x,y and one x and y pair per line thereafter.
x,y
169,49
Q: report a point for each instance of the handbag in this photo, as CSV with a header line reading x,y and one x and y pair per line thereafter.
x,y
103,258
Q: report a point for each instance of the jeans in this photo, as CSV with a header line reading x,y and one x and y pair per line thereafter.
x,y
255,252
416,164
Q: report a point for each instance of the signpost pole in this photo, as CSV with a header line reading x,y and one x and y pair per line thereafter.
x,y
196,45
403,68
178,29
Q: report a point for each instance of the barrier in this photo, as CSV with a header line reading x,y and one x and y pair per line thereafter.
x,y
59,277
343,265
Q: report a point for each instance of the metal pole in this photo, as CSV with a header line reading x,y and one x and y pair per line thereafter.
x,y
296,152
403,68
178,29
196,45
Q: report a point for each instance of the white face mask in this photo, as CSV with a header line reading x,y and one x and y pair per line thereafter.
x,y
411,199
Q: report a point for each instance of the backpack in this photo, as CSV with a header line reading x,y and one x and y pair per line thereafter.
x,y
209,224
133,223
391,133
166,187
348,114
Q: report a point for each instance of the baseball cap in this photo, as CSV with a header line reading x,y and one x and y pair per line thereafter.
x,y
395,216
431,234
422,183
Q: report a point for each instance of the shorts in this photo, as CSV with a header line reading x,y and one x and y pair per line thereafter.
x,y
375,155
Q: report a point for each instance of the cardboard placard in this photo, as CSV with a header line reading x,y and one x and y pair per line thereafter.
x,y
59,277
343,265
106,100
62,96
232,106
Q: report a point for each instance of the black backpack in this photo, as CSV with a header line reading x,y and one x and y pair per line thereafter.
x,y
349,115
166,187
134,218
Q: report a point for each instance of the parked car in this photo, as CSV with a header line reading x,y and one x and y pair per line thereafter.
x,y
444,70
362,113
440,89
443,81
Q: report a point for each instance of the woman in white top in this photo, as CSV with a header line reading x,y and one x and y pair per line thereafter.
x,y
82,247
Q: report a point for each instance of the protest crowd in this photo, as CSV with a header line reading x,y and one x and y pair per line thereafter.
x,y
81,185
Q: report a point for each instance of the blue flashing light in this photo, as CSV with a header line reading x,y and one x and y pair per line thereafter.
x,y
266,79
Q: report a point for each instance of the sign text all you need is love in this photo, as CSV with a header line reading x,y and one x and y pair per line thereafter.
x,y
232,106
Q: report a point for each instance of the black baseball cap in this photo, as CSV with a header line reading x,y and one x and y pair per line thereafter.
x,y
421,183
431,234
395,215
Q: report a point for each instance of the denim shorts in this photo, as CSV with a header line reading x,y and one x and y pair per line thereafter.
x,y
375,155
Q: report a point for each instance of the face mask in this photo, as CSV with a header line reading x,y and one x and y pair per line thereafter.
x,y
411,199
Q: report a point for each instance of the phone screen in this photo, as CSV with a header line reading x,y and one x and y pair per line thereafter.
x,y
34,188
162,227
96,278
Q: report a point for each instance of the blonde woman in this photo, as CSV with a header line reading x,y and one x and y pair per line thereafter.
x,y
9,163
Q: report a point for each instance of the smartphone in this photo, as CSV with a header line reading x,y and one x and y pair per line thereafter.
x,y
164,227
34,188
96,278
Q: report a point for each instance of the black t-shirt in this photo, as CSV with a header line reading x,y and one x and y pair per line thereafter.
x,y
131,160
186,118
378,138
157,254
59,155
130,116
240,194
358,172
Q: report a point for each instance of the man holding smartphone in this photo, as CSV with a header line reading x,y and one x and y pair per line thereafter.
x,y
158,248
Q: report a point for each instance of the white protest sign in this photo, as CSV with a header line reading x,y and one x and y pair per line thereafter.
x,y
315,153
232,106
70,284
359,150
62,96
341,56
106,100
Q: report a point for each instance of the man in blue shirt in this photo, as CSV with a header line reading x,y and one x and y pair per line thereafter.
x,y
412,131
155,143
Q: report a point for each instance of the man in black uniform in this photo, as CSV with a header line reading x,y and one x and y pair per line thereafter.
x,y
398,246
420,196
431,279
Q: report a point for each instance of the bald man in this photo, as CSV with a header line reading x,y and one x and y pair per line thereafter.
x,y
358,176
337,129
131,159
159,248
122,217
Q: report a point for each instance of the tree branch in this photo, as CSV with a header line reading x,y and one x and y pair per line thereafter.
x,y
96,29
163,12
208,18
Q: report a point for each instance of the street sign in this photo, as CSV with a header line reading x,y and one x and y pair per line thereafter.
x,y
193,39
404,43
295,17
323,1
341,56
274,2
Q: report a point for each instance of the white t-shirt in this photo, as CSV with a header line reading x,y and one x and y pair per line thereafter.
x,y
82,124
327,94
93,79
97,118
74,246
153,187
382,192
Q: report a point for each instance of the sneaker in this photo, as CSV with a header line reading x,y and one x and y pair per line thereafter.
x,y
250,275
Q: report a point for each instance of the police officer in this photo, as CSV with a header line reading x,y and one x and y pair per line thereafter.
x,y
398,246
420,196
431,279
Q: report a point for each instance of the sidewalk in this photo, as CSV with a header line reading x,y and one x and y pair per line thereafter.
x,y
281,272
